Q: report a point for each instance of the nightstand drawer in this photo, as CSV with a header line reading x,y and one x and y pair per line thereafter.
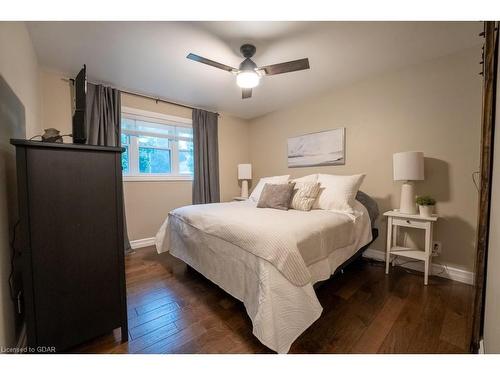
x,y
411,223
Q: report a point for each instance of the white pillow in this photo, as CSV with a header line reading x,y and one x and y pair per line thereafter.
x,y
267,180
308,178
338,193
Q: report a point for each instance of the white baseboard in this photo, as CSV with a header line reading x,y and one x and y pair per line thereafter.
x,y
440,270
143,242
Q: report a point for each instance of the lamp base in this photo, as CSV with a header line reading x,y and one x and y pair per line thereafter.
x,y
244,189
407,204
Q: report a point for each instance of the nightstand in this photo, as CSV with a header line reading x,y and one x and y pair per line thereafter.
x,y
395,219
239,199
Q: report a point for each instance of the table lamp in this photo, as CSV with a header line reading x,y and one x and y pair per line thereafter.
x,y
244,174
408,166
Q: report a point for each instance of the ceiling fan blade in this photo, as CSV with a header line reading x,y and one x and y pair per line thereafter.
x,y
290,66
246,93
215,64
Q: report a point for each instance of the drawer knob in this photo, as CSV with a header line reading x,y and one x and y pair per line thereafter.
x,y
408,221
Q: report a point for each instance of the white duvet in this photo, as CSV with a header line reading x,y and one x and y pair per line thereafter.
x,y
268,259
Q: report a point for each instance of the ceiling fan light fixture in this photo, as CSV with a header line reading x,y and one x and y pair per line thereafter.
x,y
248,73
247,79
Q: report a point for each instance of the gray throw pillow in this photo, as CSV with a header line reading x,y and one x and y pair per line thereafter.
x,y
276,196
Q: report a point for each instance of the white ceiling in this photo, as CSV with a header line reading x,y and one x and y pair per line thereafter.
x,y
150,57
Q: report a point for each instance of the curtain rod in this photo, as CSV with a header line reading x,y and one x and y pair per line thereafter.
x,y
155,98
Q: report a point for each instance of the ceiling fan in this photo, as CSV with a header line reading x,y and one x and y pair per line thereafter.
x,y
248,74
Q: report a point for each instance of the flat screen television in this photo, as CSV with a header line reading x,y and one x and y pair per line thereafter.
x,y
79,129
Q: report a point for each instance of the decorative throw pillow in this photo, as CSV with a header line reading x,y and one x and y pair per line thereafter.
x,y
338,192
276,196
304,195
267,180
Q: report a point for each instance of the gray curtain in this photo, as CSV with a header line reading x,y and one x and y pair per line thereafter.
x,y
103,116
206,157
103,125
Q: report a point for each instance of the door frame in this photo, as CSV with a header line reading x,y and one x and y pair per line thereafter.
x,y
490,64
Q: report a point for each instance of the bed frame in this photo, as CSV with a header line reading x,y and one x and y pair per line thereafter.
x,y
358,254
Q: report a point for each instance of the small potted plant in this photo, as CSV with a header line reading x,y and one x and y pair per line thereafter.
x,y
426,205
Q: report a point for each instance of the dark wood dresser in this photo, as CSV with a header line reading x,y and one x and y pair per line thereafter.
x,y
71,242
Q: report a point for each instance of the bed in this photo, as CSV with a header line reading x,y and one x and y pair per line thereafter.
x,y
268,259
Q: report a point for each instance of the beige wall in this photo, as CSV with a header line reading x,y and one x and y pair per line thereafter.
x,y
19,67
19,117
148,202
234,149
432,107
55,99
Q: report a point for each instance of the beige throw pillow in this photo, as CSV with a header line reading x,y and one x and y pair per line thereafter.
x,y
304,195
276,196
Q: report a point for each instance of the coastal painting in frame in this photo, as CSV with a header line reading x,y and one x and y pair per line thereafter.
x,y
315,149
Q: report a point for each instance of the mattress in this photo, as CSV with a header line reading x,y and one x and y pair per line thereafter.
x,y
280,307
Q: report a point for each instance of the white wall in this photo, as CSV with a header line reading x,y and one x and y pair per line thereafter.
x,y
492,303
19,117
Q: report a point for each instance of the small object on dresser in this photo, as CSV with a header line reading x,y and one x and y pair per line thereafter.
x,y
52,135
426,205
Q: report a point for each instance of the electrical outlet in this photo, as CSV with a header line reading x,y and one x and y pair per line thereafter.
x,y
437,247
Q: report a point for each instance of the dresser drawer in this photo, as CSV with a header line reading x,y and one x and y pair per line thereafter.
x,y
411,223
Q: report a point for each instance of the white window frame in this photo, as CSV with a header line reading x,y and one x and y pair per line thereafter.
x,y
155,118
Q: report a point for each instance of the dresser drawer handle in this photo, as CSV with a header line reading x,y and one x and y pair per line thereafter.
x,y
408,221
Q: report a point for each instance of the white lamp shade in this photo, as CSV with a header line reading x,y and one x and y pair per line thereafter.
x,y
244,171
408,166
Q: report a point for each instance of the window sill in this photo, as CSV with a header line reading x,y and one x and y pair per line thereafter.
x,y
156,178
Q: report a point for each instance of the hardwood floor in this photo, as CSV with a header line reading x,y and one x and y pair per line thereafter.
x,y
173,309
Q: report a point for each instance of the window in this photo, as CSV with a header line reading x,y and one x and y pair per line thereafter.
x,y
157,147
